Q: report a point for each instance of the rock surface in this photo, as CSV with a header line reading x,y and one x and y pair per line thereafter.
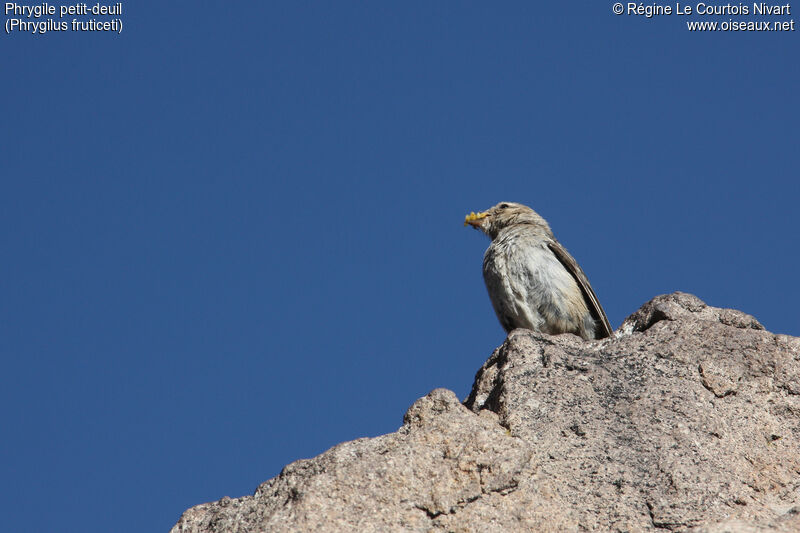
x,y
688,419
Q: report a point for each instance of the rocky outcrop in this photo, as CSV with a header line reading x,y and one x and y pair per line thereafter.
x,y
688,419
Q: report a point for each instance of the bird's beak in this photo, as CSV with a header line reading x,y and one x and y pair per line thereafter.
x,y
474,219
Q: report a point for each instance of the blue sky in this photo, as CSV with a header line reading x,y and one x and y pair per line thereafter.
x,y
233,235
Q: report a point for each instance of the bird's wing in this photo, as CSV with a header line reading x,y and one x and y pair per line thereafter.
x,y
588,294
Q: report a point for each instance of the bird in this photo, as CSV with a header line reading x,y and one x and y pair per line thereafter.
x,y
533,282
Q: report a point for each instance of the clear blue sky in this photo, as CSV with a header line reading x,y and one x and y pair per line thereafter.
x,y
232,235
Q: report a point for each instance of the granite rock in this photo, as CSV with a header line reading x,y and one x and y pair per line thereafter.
x,y
688,419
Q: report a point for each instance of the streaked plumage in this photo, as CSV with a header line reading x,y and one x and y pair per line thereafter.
x,y
532,280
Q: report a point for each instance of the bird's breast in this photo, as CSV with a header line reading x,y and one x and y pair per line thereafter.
x,y
530,287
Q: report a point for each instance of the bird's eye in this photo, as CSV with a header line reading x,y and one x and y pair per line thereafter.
x,y
504,206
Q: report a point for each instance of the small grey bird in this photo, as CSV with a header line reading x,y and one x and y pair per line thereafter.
x,y
532,280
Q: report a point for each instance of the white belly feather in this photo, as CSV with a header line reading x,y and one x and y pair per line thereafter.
x,y
530,288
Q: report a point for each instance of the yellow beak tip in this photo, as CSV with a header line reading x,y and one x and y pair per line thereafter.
x,y
473,216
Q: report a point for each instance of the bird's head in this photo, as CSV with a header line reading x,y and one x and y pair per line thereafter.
x,y
506,214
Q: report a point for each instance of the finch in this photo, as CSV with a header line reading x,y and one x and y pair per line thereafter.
x,y
533,282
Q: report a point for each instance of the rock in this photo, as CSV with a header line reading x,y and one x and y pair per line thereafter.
x,y
688,419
